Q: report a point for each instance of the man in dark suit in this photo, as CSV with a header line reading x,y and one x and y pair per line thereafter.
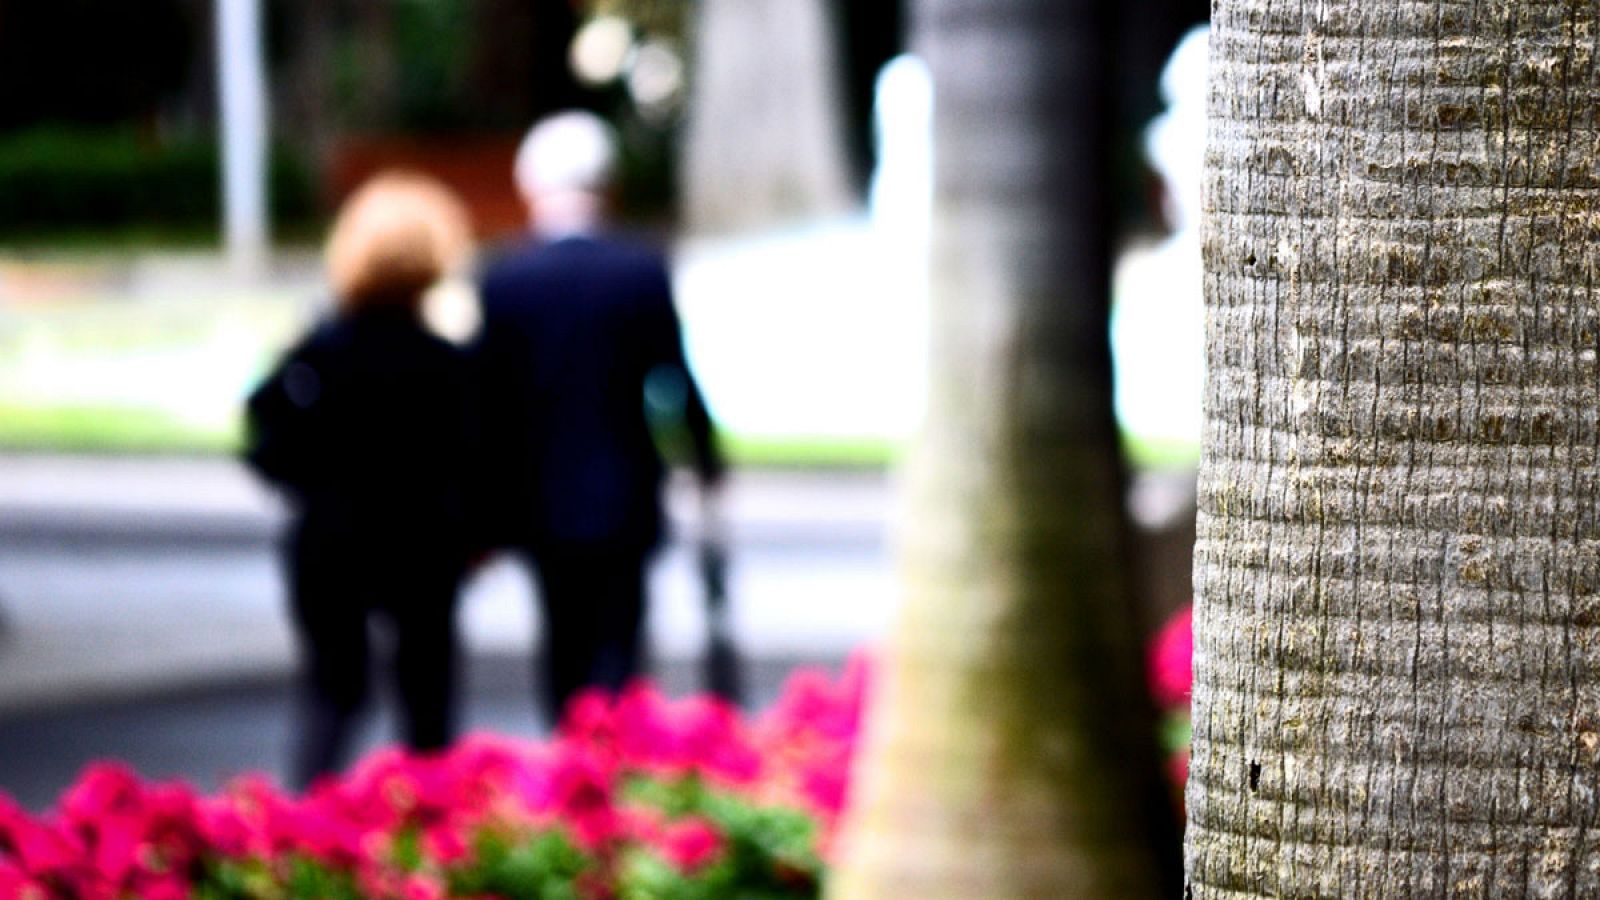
x,y
580,340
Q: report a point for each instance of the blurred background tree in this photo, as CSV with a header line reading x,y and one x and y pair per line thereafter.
x,y
1011,751
422,71
128,67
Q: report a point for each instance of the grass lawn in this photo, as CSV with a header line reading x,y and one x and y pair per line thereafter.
x,y
107,429
114,430
119,430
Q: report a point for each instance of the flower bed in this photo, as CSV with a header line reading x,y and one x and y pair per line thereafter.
x,y
637,796
1171,662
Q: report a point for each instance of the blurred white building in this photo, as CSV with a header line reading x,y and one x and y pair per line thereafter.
x,y
818,330
1158,311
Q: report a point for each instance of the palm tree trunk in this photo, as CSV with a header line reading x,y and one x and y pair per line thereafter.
x,y
1398,630
1009,752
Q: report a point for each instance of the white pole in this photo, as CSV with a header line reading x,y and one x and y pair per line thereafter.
x,y
242,81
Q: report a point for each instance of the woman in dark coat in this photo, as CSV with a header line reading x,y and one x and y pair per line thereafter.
x,y
368,426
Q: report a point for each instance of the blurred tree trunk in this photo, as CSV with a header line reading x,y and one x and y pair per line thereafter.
x,y
1398,633
763,144
867,35
1010,751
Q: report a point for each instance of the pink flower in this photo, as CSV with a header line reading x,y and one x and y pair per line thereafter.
x,y
446,843
421,887
1171,661
645,731
325,836
38,848
247,819
1178,767
825,783
590,719
103,788
115,836
227,830
574,788
172,886
642,824
19,885
688,843
117,846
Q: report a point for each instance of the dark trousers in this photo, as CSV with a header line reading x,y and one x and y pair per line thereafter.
x,y
592,594
337,593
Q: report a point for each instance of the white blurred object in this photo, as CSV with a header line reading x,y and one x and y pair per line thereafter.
x,y
820,331
243,100
655,79
1158,341
1158,317
450,309
901,195
1175,141
599,51
803,333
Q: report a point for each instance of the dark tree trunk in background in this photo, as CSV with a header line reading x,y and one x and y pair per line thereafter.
x,y
1398,631
547,76
868,36
1010,751
1147,33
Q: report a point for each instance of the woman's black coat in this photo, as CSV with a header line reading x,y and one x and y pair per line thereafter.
x,y
369,425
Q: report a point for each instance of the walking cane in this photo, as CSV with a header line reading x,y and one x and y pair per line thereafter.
x,y
722,660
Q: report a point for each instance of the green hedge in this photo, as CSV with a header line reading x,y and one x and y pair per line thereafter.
x,y
58,180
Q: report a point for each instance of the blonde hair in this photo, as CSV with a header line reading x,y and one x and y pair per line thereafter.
x,y
396,236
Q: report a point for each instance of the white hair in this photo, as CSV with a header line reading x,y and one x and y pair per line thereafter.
x,y
569,151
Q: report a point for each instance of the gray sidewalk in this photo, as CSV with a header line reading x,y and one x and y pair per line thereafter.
x,y
122,577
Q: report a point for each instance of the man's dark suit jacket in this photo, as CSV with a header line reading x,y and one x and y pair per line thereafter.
x,y
576,333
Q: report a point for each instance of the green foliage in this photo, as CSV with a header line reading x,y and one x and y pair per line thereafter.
x,y
673,797
548,867
431,44
768,852
1175,731
432,39
771,851
227,879
647,167
308,878
817,452
1159,453
73,180
255,880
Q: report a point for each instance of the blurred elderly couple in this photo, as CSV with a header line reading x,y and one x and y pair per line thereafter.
x,y
407,458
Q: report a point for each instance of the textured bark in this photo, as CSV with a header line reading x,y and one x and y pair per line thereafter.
x,y
1010,752
1398,632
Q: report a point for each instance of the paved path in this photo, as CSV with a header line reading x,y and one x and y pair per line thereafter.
x,y
123,577
143,614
